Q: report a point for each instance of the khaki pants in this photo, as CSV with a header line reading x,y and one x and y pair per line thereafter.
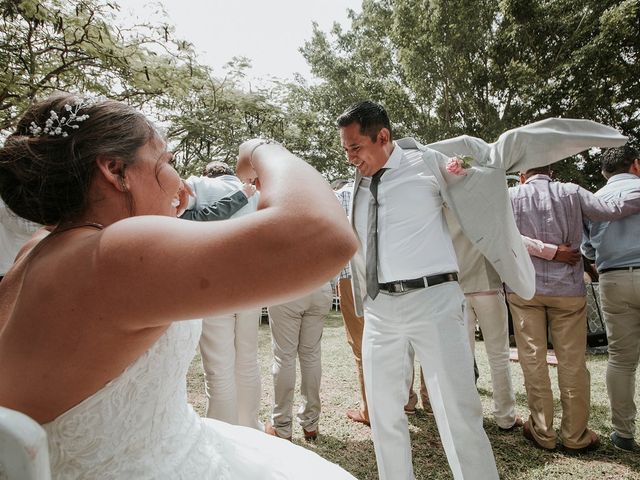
x,y
296,331
620,296
566,318
490,311
354,326
413,396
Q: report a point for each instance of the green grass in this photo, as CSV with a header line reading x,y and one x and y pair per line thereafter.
x,y
349,444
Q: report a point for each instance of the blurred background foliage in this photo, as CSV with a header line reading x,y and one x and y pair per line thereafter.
x,y
441,68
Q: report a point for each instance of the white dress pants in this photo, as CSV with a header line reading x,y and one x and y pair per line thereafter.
x,y
490,311
229,349
431,321
296,331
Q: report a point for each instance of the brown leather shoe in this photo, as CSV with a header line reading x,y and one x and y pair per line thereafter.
x,y
310,436
517,424
269,429
356,416
594,443
526,433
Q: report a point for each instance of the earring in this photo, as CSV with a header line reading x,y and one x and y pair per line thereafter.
x,y
124,186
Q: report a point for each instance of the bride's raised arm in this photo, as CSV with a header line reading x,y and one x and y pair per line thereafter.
x,y
298,239
99,174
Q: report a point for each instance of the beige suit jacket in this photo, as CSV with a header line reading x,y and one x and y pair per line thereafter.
x,y
480,200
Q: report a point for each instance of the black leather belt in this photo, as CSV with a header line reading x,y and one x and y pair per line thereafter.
x,y
613,269
405,285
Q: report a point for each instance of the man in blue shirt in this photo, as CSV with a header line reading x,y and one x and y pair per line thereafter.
x,y
615,248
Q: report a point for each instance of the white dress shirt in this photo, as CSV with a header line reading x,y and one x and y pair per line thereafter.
x,y
413,238
210,190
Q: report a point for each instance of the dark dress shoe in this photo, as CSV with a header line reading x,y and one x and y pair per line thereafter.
x,y
621,443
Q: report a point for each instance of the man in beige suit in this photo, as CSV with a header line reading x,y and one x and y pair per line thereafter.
x,y
405,274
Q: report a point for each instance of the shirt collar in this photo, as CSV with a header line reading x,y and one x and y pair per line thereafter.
x,y
538,176
622,176
394,159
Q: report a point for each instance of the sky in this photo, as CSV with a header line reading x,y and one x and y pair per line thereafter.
x,y
269,32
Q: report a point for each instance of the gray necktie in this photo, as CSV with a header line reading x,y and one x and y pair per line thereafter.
x,y
372,237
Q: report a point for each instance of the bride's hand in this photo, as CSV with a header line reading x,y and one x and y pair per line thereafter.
x,y
248,189
183,195
244,168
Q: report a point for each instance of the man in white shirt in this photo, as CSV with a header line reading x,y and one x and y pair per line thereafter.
x,y
414,245
405,274
229,343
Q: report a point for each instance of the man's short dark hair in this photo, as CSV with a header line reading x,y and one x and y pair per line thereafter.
x,y
618,160
217,169
371,117
546,170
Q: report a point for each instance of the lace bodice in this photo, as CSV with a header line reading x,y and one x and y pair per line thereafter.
x,y
139,425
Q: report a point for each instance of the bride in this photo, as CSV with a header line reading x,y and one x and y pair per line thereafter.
x,y
95,336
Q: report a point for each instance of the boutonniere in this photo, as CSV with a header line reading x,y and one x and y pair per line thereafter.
x,y
459,165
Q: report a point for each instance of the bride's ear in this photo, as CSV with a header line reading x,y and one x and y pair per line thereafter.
x,y
112,170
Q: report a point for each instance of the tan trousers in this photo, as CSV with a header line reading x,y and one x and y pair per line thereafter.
x,y
296,331
413,396
566,318
620,295
490,312
354,326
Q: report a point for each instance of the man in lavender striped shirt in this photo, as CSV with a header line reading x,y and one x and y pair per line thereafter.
x,y
554,212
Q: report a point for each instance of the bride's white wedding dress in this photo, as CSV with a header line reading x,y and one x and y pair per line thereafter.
x,y
140,426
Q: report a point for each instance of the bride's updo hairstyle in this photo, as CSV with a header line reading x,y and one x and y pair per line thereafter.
x,y
48,163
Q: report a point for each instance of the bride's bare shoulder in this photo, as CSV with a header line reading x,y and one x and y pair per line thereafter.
x,y
35,239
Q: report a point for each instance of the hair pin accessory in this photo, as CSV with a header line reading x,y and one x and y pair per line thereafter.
x,y
58,125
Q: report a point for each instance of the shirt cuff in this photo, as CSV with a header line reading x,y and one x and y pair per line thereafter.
x,y
539,249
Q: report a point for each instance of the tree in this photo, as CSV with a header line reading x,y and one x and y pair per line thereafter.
x,y
215,116
78,46
448,67
75,46
581,61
